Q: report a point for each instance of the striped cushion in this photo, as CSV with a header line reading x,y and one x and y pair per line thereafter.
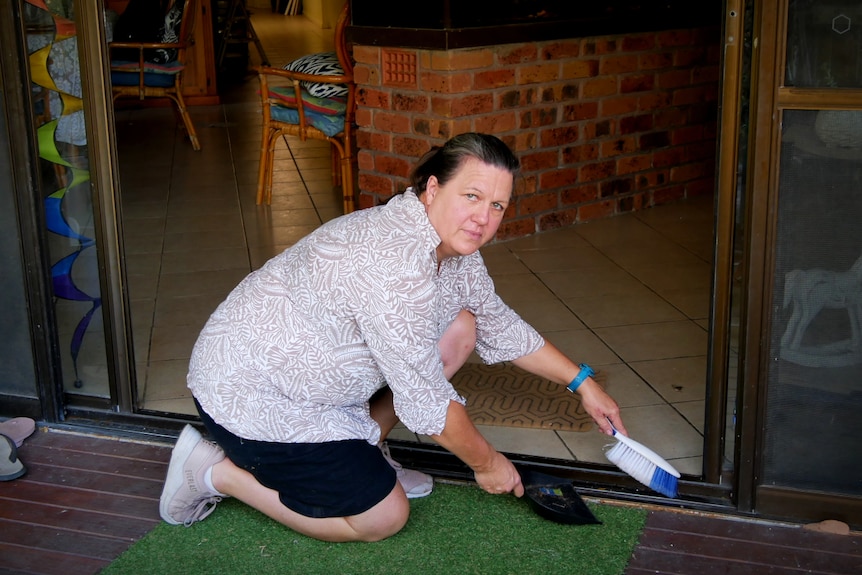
x,y
324,64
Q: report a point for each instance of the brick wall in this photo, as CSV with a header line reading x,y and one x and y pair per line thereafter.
x,y
602,125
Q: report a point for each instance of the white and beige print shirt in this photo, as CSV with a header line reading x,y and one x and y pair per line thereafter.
x,y
299,346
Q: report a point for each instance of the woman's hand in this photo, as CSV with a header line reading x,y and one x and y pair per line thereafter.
x,y
500,476
601,407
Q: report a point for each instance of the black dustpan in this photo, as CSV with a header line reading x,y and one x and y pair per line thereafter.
x,y
555,498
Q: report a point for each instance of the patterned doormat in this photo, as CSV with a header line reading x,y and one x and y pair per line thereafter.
x,y
505,395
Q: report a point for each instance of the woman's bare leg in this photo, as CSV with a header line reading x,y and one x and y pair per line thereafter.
x,y
381,521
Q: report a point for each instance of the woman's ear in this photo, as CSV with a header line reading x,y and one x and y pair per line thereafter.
x,y
431,188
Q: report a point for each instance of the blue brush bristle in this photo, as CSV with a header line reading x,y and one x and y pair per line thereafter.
x,y
664,482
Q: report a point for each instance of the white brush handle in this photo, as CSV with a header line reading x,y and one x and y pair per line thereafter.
x,y
646,452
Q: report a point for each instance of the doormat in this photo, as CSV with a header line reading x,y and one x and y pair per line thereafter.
x,y
505,395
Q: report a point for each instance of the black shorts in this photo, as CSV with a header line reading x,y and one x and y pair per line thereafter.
x,y
332,479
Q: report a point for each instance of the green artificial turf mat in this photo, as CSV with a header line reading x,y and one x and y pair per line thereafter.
x,y
457,529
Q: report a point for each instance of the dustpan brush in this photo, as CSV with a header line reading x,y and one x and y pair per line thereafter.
x,y
643,464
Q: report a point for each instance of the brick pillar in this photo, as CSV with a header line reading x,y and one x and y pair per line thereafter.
x,y
602,126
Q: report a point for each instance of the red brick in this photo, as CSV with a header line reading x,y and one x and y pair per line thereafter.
x,y
538,117
538,73
412,147
617,187
524,141
537,203
635,124
618,146
494,78
653,101
445,83
580,111
365,76
417,103
392,166
558,178
632,203
652,179
517,98
376,184
670,118
667,158
599,87
637,83
517,53
366,55
515,229
683,96
686,135
560,50
393,123
364,160
579,69
673,79
363,117
558,136
674,38
579,154
463,59
373,141
372,98
579,195
600,46
633,164
442,129
638,42
558,220
690,57
472,104
543,160
596,211
599,129
655,61
610,65
596,171
495,123
619,105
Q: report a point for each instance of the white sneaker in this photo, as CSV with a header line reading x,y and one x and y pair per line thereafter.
x,y
415,483
185,498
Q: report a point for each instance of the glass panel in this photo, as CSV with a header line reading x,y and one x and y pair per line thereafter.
x,y
824,43
65,184
815,376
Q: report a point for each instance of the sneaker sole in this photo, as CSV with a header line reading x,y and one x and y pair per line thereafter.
x,y
186,443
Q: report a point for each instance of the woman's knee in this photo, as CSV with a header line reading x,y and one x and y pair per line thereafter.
x,y
384,519
458,342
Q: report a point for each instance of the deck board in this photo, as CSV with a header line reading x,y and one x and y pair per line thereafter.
x,y
86,499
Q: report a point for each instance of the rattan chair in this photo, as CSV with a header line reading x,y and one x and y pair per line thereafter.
x,y
140,78
319,118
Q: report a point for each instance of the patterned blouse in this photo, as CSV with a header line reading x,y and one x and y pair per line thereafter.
x,y
298,348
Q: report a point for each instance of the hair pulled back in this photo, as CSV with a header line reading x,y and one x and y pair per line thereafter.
x,y
444,161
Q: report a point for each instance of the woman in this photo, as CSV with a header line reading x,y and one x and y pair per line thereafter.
x,y
313,359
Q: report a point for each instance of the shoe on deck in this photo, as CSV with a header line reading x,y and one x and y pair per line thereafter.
x,y
10,466
185,498
415,483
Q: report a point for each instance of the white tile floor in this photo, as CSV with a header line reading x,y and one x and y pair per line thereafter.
x,y
629,295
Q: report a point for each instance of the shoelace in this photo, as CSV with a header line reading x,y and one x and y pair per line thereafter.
x,y
202,509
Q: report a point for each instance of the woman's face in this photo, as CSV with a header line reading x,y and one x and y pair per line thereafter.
x,y
467,211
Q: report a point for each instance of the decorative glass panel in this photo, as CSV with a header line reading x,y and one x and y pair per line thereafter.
x,y
815,376
824,44
65,183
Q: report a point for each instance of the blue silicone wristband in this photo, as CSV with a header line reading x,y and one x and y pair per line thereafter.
x,y
586,371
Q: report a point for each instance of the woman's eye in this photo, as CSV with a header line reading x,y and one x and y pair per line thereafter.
x,y
499,207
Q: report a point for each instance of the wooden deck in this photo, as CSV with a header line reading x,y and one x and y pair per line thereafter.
x,y
86,499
